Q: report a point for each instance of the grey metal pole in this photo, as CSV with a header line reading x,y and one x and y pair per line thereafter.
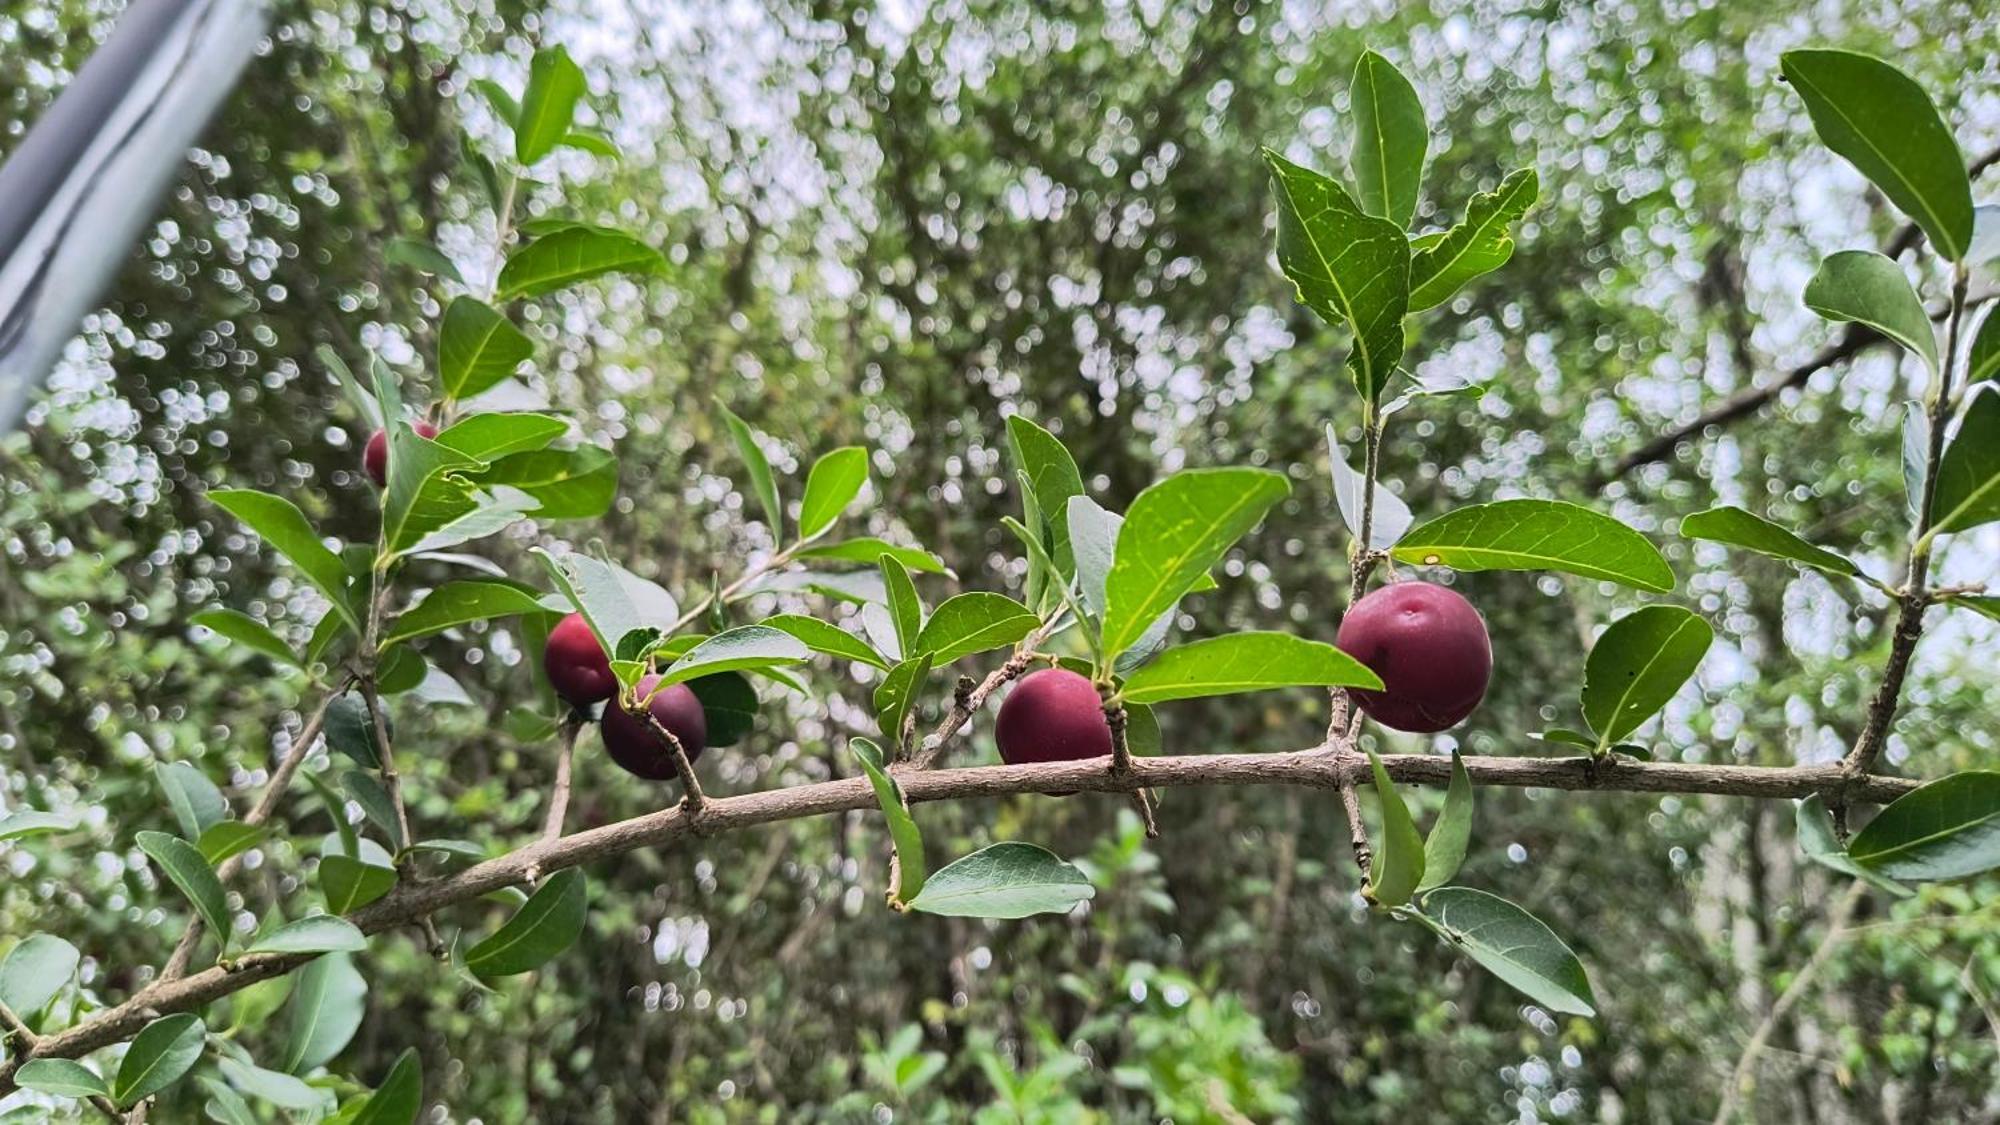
x,y
88,176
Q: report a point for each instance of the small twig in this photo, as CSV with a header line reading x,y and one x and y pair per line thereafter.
x,y
692,798
966,703
1121,760
552,824
1350,804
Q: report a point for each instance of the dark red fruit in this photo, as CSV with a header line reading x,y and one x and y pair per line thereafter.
x,y
576,664
1053,715
1430,648
638,748
375,455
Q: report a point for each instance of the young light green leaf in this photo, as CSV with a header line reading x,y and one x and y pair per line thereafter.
x,y
746,648
1444,848
869,549
762,483
1243,662
504,105
227,839
565,484
1819,843
906,868
1441,264
279,522
592,142
1637,665
1513,945
1888,128
1005,880
1947,829
1739,528
1538,535
824,636
64,1078
896,695
834,482
192,876
575,254
1052,478
1985,604
400,1097
159,1055
1871,289
548,923
1386,158
1350,267
38,968
489,437
548,106
1175,531
1398,865
321,933
328,1000
246,631
32,822
974,622
197,803
350,884
1388,516
460,603
1968,480
906,609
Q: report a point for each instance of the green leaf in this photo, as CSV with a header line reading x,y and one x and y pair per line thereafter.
x,y
1982,360
1052,478
1398,865
228,839
248,632
869,550
906,609
1916,455
1868,288
192,876
32,822
1005,880
575,254
613,600
1538,535
491,511
1441,264
38,968
400,1097
1388,516
548,106
896,695
402,669
274,1086
279,522
822,636
1888,128
744,648
834,482
1174,533
489,437
1513,945
376,804
1986,604
974,622
592,142
329,998
566,484
426,490
1444,848
363,400
1244,662
1968,480
423,257
548,923
1637,665
460,603
1350,268
197,803
762,483
1819,843
1391,137
350,884
321,933
1739,528
159,1055
906,871
729,704
351,731
504,105
65,1078
1947,829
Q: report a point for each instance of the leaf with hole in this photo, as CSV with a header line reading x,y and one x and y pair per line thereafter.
x,y
1637,665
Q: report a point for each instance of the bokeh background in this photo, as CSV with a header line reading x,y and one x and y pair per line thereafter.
x,y
894,224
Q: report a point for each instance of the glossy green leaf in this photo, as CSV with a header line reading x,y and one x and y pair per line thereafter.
x,y
729,704
1398,862
1005,880
762,482
1173,534
1444,848
906,609
548,923
744,648
32,822
1538,535
907,869
1968,478
321,933
279,522
224,1104
351,731
489,437
1513,945
160,1054
1441,264
548,105
402,668
1819,843
400,1097
1386,158
461,603
350,884
1637,665
329,997
575,254
592,142
833,484
974,622
192,876
1946,829
33,972
227,839
1242,662
197,804
869,550
896,695
1739,528
565,484
1888,128
492,510
376,804
1871,289
1052,478
1351,268
64,1078
824,636
426,490
613,600
246,631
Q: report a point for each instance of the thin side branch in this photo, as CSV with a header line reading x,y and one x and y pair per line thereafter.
x,y
966,703
1350,804
552,824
